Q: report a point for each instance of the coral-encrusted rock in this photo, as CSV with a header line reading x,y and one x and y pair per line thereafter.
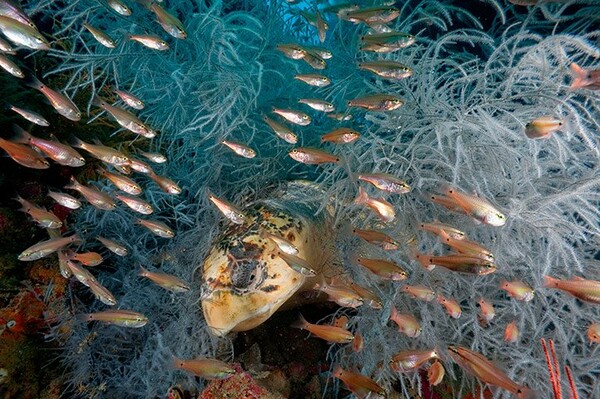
x,y
240,386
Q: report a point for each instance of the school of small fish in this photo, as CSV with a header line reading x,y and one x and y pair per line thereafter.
x,y
466,256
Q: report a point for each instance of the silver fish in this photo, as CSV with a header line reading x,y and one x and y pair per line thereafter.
x,y
45,248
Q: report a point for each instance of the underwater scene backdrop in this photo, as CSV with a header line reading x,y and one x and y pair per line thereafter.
x,y
428,121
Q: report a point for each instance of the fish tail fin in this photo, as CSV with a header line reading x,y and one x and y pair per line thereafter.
x,y
76,238
33,82
550,282
146,3
21,135
525,393
143,272
84,317
394,313
97,101
362,196
176,362
73,183
301,323
75,142
579,76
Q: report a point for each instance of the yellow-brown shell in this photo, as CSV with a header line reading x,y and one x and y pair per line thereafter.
x,y
244,280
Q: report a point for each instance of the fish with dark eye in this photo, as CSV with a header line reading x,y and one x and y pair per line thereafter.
x,y
157,228
170,23
130,99
487,311
312,156
543,127
377,238
386,182
313,79
298,264
60,153
282,131
119,7
150,41
317,104
386,42
125,119
47,247
31,116
11,9
468,264
585,290
478,208
136,204
371,16
467,247
22,34
293,116
479,366
97,198
24,155
123,183
9,66
387,69
240,149
360,385
166,281
420,292
61,103
584,78
117,317
407,323
210,369
100,36
518,290
101,152
452,307
228,210
341,135
377,102
411,360
331,334
384,268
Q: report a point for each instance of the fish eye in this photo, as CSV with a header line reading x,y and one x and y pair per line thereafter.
x,y
11,324
500,216
324,79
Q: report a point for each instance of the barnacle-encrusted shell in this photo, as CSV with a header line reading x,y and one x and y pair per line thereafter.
x,y
244,280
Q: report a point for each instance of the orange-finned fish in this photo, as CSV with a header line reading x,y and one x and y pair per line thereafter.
x,y
518,290
313,79
458,263
282,131
210,369
420,292
340,293
386,182
412,359
136,204
31,116
477,207
341,135
482,368
312,156
298,264
170,23
58,152
113,246
228,210
119,7
452,307
100,36
65,200
118,317
166,281
377,102
358,344
240,149
94,196
102,293
150,41
61,103
543,127
101,152
157,228
367,296
123,183
511,332
586,290
341,322
86,258
436,228
468,247
384,268
317,104
9,66
24,155
585,78
360,385
293,116
125,119
407,323
593,333
331,334
381,207
167,185
130,99
436,373
377,238
41,216
487,310
45,248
